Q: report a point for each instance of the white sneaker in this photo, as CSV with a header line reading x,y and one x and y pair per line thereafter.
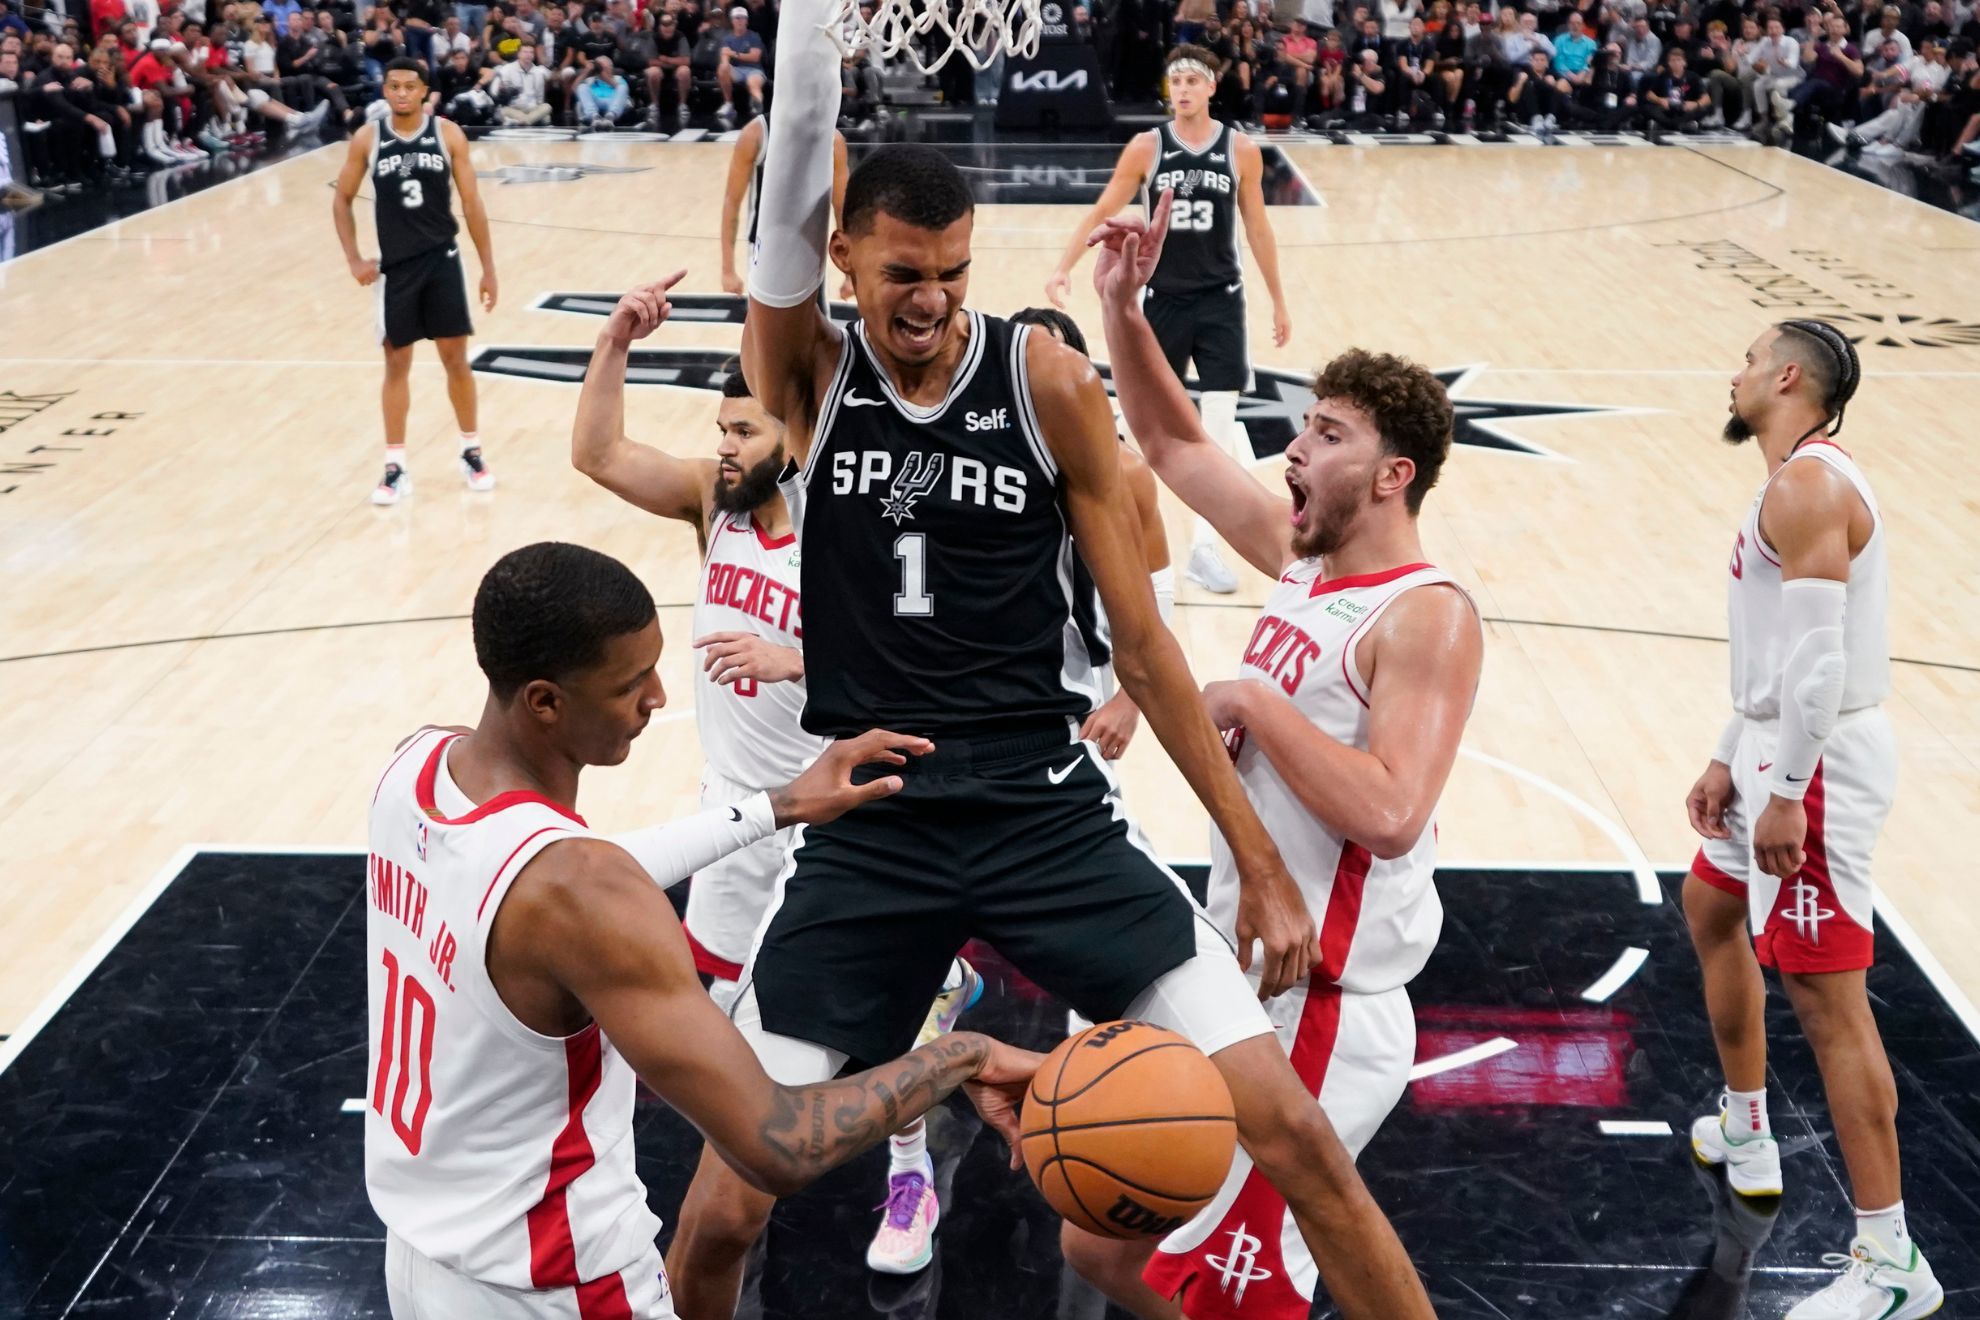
x,y
1207,570
479,478
1753,1166
1873,1286
960,990
394,486
905,1242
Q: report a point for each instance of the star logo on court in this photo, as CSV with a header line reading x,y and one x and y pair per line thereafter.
x,y
1274,409
1904,330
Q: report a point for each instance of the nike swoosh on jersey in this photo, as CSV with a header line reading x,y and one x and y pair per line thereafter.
x,y
1797,779
1766,766
453,252
735,814
1059,776
853,399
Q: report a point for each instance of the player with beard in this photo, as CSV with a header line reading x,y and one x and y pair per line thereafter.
x,y
1344,722
749,688
1790,806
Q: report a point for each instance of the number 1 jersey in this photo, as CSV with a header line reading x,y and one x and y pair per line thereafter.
x,y
938,567
495,1151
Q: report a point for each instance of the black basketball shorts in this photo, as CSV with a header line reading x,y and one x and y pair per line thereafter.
x,y
1020,841
424,297
1207,328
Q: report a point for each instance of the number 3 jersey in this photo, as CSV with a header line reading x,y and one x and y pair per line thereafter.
x,y
938,574
412,184
1379,917
498,1152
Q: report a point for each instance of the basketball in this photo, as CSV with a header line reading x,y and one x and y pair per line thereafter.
x,y
1128,1130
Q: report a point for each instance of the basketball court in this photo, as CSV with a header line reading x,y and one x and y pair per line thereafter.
x,y
212,640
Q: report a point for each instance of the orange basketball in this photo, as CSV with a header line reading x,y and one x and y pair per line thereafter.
x,y
1128,1130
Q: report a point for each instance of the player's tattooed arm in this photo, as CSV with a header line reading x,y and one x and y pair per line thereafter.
x,y
810,1129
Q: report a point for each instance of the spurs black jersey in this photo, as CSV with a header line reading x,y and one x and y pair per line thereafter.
x,y
938,571
1201,251
412,183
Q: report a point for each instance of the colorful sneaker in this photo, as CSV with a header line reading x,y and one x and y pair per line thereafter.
x,y
479,478
1753,1166
906,1240
959,992
394,486
1873,1286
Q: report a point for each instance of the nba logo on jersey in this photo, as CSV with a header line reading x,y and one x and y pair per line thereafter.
x,y
419,841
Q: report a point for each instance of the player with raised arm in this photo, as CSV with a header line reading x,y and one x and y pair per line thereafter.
x,y
1213,175
523,970
742,191
749,688
1790,806
944,463
413,161
1344,722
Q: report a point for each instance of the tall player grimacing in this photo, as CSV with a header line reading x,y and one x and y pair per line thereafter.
x,y
946,463
1344,761
413,161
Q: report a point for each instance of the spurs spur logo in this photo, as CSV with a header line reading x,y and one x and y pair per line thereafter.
x,y
918,476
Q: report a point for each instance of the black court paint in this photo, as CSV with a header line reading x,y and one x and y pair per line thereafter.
x,y
173,1142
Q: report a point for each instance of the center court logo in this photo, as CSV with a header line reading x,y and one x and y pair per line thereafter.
x,y
1238,1269
1807,912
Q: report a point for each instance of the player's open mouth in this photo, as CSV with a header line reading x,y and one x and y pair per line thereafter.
x,y
917,334
1298,499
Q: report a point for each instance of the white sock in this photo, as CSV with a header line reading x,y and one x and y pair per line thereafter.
x,y
1886,1227
909,1149
1746,1114
396,454
1220,423
106,144
470,440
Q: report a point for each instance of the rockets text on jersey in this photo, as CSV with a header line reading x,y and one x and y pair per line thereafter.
x,y
1379,918
749,730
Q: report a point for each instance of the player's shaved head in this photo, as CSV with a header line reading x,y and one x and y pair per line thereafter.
x,y
915,184
549,610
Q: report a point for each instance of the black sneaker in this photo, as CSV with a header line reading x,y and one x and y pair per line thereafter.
x,y
394,486
479,478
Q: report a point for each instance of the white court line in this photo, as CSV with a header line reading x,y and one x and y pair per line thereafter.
x,y
1934,970
1647,887
52,1002
1627,964
1490,1049
1634,1128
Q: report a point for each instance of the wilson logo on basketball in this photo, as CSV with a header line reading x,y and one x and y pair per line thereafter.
x,y
1131,1216
1098,1040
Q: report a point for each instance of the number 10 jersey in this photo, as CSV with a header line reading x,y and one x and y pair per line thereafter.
x,y
937,571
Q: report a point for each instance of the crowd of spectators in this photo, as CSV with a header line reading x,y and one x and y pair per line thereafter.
x,y
102,90
1895,78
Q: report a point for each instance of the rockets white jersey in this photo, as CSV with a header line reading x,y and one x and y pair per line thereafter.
x,y
1378,919
1753,605
749,730
498,1152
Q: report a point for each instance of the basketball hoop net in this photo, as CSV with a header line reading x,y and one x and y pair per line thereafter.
x,y
979,32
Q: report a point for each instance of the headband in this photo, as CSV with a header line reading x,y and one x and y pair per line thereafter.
x,y
1192,66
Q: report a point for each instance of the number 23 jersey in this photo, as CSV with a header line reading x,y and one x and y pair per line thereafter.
x,y
939,591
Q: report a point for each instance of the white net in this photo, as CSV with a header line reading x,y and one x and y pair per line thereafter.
x,y
928,33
